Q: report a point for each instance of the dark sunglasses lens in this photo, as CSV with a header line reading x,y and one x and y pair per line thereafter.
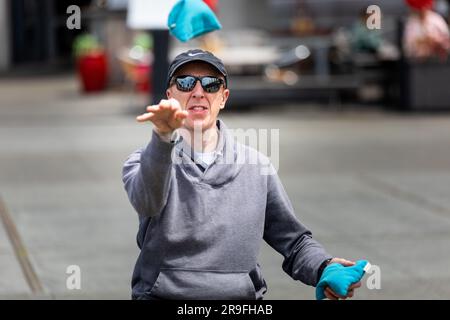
x,y
211,84
185,83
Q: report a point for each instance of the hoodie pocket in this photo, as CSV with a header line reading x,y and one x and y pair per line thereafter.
x,y
202,285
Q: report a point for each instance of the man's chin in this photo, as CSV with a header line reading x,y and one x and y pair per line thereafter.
x,y
197,124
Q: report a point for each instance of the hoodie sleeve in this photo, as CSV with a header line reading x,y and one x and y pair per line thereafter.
x,y
146,176
303,255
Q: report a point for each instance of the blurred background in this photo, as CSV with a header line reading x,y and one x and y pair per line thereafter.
x,y
364,120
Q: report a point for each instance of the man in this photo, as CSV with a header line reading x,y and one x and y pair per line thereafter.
x,y
203,210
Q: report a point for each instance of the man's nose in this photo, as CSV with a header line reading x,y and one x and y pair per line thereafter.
x,y
198,90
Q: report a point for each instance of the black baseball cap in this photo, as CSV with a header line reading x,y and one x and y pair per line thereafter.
x,y
196,55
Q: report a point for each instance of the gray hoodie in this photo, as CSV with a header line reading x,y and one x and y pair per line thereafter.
x,y
200,231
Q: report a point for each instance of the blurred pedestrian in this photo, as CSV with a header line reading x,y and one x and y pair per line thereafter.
x,y
362,38
203,211
426,33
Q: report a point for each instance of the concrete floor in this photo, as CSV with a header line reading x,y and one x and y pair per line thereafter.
x,y
370,185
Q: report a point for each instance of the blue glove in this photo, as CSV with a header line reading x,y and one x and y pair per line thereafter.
x,y
339,278
191,18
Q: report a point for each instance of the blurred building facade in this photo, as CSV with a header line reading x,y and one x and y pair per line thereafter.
x,y
34,33
35,30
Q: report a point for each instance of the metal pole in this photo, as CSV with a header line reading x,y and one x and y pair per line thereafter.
x,y
160,64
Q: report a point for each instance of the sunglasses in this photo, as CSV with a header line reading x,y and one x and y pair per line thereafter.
x,y
209,83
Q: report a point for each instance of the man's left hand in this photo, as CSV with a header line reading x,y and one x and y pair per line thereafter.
x,y
330,294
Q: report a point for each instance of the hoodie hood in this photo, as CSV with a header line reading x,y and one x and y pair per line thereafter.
x,y
228,163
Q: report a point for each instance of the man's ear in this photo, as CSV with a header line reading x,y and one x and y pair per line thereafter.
x,y
225,95
168,94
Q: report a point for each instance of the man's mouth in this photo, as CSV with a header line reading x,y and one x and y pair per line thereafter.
x,y
198,109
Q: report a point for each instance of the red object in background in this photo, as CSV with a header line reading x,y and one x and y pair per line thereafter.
x,y
93,70
420,4
142,78
212,4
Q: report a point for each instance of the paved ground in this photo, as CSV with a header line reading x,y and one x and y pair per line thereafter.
x,y
370,184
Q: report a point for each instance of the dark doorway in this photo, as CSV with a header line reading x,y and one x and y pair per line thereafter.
x,y
39,32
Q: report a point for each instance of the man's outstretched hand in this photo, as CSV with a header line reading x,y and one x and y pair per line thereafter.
x,y
167,116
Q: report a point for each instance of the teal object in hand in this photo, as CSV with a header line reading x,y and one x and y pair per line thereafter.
x,y
339,278
191,18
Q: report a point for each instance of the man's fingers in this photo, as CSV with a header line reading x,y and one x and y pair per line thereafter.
x,y
166,116
342,261
355,285
165,104
145,117
178,118
181,115
171,104
333,294
329,296
351,289
153,108
175,104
